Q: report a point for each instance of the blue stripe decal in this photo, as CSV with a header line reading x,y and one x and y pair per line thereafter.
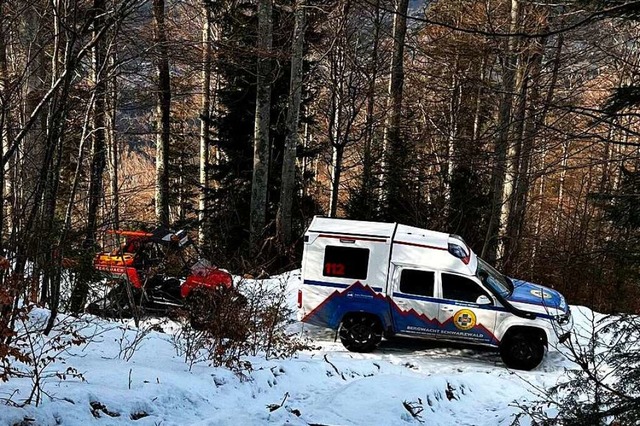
x,y
422,298
336,285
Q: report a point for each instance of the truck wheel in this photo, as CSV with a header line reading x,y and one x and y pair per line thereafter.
x,y
522,351
360,333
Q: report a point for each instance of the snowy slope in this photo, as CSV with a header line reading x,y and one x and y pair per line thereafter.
x,y
441,385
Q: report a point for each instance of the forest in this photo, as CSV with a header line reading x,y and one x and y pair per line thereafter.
x,y
512,123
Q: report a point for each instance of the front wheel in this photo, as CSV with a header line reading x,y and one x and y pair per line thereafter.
x,y
522,351
360,333
201,305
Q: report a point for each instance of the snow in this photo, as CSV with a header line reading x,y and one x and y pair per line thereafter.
x,y
128,371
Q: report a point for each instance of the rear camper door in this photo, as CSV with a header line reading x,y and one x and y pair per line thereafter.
x,y
414,308
340,261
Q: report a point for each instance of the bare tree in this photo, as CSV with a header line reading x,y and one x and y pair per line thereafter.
x,y
261,141
283,221
205,123
4,118
98,154
394,151
502,179
163,113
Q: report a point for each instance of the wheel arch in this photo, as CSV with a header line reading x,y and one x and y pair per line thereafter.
x,y
535,332
349,314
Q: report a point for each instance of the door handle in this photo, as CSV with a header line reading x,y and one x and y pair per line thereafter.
x,y
447,308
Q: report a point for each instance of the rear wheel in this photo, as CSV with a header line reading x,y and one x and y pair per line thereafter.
x,y
522,351
114,305
360,333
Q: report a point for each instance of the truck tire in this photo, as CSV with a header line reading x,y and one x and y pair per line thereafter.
x,y
360,333
522,351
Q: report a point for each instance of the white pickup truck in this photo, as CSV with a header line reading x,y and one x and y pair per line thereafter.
x,y
369,279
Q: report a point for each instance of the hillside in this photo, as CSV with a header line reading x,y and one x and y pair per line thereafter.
x,y
326,385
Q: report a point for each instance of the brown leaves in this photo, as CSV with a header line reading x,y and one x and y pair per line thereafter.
x,y
4,263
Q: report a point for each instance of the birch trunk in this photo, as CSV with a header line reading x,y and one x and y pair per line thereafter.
x,y
205,123
454,108
514,171
531,127
489,249
283,222
261,142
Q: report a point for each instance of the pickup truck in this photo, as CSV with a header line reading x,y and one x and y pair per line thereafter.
x,y
370,279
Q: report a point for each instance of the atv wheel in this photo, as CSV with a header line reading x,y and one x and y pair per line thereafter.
x,y
219,311
201,307
114,305
522,351
360,333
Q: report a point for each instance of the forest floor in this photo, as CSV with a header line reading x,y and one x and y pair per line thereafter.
x,y
134,375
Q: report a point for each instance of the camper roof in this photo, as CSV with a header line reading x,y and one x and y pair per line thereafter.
x,y
377,229
352,227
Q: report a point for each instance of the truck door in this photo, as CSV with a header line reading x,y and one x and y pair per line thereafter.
x,y
467,310
414,308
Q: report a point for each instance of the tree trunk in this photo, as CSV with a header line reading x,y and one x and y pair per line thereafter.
x,y
336,172
368,185
163,114
261,142
4,128
541,123
283,222
489,249
112,139
205,124
514,170
454,108
98,155
394,151
531,127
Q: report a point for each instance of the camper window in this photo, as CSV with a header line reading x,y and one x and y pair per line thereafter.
x,y
456,287
346,262
417,282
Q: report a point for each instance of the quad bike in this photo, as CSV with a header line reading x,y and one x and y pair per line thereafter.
x,y
160,272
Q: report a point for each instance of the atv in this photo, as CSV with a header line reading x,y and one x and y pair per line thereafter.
x,y
160,272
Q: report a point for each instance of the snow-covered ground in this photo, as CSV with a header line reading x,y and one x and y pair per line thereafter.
x,y
441,385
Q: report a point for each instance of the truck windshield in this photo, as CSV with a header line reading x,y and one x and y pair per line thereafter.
x,y
493,279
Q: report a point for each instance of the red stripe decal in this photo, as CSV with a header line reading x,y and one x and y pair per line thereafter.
x,y
420,245
346,237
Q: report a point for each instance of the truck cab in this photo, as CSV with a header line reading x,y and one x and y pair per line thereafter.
x,y
371,279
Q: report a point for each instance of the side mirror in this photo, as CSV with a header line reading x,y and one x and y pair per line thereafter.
x,y
483,300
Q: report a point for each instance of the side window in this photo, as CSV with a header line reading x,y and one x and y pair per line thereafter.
x,y
346,262
417,282
455,287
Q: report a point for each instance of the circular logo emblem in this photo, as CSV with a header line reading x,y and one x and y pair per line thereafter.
x,y
541,294
464,319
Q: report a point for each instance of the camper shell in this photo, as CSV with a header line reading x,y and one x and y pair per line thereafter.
x,y
369,279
